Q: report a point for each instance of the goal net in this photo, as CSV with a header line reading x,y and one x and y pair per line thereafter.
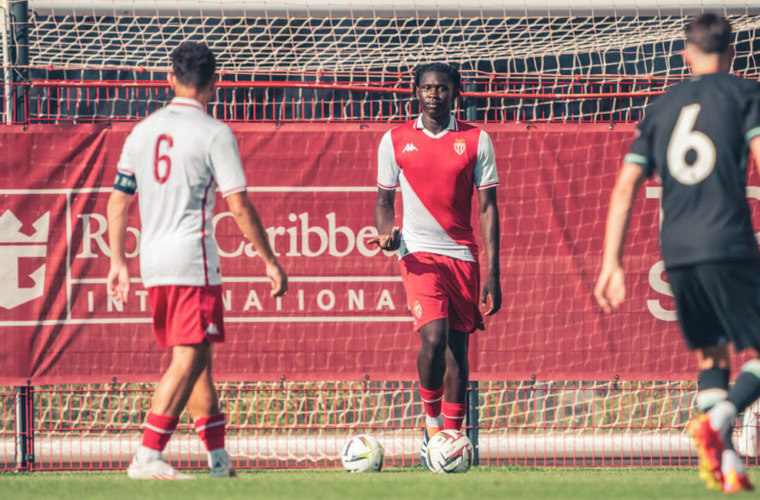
x,y
275,425
342,60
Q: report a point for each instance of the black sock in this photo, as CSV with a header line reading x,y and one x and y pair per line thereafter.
x,y
746,389
712,389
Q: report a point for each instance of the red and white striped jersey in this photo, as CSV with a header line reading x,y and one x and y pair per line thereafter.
x,y
178,156
437,175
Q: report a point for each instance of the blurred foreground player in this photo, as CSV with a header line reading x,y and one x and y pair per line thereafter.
x,y
439,162
175,159
695,138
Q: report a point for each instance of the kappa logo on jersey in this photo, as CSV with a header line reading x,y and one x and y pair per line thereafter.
x,y
417,308
460,146
409,148
211,329
11,293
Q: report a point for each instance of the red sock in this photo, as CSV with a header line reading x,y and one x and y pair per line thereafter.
x,y
432,400
453,415
158,431
211,430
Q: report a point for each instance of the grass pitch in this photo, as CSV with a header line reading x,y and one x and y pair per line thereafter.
x,y
398,484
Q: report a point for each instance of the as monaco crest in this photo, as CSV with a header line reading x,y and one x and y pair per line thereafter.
x,y
417,308
460,146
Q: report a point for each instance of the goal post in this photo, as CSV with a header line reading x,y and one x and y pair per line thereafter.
x,y
375,8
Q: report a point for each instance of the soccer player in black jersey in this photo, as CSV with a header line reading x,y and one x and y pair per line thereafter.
x,y
695,138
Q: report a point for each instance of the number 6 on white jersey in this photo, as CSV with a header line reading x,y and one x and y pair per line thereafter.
x,y
685,139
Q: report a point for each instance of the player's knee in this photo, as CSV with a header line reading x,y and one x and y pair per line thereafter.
x,y
433,342
191,359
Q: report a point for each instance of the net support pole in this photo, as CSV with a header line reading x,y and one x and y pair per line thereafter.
x,y
472,418
7,97
23,430
19,11
470,103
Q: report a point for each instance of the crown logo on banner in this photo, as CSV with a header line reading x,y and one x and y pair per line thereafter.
x,y
10,229
11,294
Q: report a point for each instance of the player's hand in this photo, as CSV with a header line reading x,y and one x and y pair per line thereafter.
x,y
118,281
387,241
278,278
492,291
610,289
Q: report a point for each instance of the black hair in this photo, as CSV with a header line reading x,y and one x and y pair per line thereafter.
x,y
446,69
710,33
193,64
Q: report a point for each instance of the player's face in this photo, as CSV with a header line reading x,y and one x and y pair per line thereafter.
x,y
436,94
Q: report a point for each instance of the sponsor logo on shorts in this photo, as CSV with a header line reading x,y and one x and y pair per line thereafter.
x,y
460,146
417,309
211,329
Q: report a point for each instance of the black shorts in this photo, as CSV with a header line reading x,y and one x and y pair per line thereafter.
x,y
718,302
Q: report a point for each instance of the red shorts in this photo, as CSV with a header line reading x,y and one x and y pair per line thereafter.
x,y
186,315
442,287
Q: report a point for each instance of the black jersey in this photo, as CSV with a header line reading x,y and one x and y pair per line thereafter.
x,y
695,137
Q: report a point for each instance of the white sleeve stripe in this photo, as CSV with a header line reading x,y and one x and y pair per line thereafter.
x,y
485,186
238,189
128,172
389,188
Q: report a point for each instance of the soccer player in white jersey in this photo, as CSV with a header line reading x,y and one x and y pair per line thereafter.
x,y
439,162
175,159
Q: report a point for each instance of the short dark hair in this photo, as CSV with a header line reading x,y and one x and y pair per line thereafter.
x,y
193,64
710,33
444,68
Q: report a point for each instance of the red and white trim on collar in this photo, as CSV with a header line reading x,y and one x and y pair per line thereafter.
x,y
184,101
452,126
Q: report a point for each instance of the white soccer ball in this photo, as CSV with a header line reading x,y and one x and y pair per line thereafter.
x,y
449,451
362,453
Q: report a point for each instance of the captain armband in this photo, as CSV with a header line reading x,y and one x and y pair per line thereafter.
x,y
125,183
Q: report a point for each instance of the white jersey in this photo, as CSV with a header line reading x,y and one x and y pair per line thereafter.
x,y
178,156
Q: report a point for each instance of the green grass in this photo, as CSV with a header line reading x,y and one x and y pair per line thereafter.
x,y
409,483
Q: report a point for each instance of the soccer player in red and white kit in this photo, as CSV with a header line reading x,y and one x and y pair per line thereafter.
x,y
175,159
439,162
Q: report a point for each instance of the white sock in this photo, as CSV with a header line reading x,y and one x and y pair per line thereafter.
x,y
145,455
722,416
731,461
436,422
218,458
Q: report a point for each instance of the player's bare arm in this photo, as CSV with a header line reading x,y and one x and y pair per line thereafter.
x,y
249,222
388,237
118,276
610,286
754,149
488,215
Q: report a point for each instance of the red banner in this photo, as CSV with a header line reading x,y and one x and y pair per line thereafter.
x,y
345,316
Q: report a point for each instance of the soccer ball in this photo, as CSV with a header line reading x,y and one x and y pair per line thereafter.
x,y
449,451
362,453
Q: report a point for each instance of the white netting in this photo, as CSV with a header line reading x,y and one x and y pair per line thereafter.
x,y
305,425
583,62
624,45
